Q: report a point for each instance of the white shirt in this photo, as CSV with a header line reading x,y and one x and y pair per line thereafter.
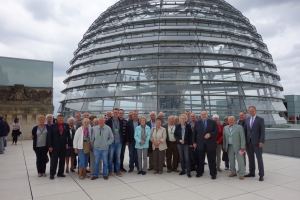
x,y
230,129
171,129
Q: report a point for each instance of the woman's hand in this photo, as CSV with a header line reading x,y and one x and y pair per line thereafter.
x,y
76,151
181,141
142,143
32,136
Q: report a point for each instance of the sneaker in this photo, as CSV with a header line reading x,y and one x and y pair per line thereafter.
x,y
119,174
226,168
39,175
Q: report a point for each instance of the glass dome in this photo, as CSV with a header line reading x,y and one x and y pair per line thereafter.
x,y
173,56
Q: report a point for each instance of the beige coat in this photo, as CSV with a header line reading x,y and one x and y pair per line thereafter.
x,y
159,135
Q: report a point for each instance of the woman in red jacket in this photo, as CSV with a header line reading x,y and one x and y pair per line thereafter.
x,y
219,139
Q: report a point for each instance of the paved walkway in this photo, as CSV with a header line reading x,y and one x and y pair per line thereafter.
x,y
19,180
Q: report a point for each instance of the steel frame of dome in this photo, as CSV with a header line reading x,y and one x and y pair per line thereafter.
x,y
172,56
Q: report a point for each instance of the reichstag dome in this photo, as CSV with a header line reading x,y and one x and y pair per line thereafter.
x,y
173,56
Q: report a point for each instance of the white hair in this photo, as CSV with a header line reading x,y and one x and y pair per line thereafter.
x,y
71,119
49,115
215,116
152,112
161,113
85,120
171,116
231,117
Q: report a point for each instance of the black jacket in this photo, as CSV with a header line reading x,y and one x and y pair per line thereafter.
x,y
110,124
3,129
199,133
150,149
56,140
188,134
33,132
130,131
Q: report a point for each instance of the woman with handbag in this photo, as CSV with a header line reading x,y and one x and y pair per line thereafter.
x,y
159,145
39,136
82,147
16,127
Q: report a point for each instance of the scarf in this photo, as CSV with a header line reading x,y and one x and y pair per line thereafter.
x,y
143,135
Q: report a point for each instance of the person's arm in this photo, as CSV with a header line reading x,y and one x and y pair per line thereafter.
x,y
33,132
176,134
263,130
111,137
76,138
221,138
242,136
164,136
50,138
127,132
92,137
215,129
69,137
137,136
148,135
190,135
224,140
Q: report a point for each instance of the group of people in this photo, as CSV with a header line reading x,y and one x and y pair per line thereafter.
x,y
101,143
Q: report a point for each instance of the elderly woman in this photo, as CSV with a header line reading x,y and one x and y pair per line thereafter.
x,y
16,130
82,135
183,135
39,137
70,152
95,122
219,139
142,136
159,145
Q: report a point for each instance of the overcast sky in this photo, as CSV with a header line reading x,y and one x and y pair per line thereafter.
x,y
51,30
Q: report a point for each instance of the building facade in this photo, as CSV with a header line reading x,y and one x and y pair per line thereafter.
x,y
26,91
173,56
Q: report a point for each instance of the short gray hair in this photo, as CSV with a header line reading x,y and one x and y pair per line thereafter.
x,y
152,112
226,117
71,119
215,116
231,117
161,113
171,116
49,115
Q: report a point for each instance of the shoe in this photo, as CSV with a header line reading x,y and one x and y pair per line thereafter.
x,y
123,170
51,177
119,174
143,173
44,175
250,175
198,175
131,170
72,170
94,178
182,173
109,174
232,175
140,172
150,168
39,175
154,172
165,165
205,163
88,171
67,171
81,177
169,171
219,169
261,178
226,168
159,172
189,175
176,170
213,177
105,177
61,175
241,178
115,171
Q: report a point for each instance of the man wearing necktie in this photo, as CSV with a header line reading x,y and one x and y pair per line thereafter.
x,y
255,127
204,139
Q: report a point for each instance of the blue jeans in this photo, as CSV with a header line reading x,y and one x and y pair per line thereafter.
x,y
114,151
133,158
184,157
83,159
104,155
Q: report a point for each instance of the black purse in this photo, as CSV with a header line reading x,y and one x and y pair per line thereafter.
x,y
225,156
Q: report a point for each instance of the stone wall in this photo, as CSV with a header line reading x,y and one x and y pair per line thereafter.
x,y
26,104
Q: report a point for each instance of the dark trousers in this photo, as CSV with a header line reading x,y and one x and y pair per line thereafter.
x,y
133,158
122,155
15,139
255,149
41,159
172,151
158,159
184,157
211,157
55,155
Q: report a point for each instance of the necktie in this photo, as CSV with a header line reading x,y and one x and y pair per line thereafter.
x,y
204,124
251,123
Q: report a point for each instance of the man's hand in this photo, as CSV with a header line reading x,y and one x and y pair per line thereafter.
x,y
50,149
69,147
127,143
224,149
76,151
243,149
195,145
261,145
181,141
32,136
207,136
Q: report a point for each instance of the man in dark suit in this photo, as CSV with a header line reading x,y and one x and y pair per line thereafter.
x,y
204,139
255,127
130,141
58,140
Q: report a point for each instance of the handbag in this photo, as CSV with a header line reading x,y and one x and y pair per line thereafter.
x,y
87,147
225,156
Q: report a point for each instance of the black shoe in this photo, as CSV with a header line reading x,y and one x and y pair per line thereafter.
x,y
51,177
115,171
213,177
205,163
261,178
189,175
143,173
250,175
140,172
198,175
182,173
61,175
123,170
